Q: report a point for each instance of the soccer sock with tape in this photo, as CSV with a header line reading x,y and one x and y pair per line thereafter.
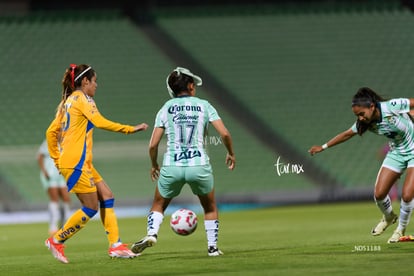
x,y
53,216
74,224
110,221
405,214
385,206
212,229
154,221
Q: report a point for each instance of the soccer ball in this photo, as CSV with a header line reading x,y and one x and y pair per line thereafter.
x,y
183,222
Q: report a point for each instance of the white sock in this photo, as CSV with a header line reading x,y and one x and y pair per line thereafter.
x,y
65,212
385,206
212,229
405,214
53,216
154,221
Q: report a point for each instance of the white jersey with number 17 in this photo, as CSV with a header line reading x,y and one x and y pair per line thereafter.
x,y
186,120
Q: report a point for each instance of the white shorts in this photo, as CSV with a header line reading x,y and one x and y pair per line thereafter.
x,y
54,181
172,179
398,163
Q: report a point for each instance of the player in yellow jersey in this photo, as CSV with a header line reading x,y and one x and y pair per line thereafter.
x,y
72,129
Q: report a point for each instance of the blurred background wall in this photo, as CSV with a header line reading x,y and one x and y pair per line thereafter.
x,y
280,73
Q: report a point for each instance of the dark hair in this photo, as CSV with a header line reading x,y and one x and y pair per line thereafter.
x,y
72,79
365,97
178,82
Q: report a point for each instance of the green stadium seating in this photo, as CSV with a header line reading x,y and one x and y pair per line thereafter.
x,y
297,70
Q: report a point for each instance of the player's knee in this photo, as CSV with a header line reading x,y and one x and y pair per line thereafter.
x,y
407,197
380,195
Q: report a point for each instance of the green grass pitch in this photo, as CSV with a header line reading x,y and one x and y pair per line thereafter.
x,y
329,239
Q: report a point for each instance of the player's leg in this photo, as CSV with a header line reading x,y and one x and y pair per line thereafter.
x,y
65,199
79,183
53,204
109,219
169,185
107,212
154,221
406,206
387,176
211,222
201,181
53,208
106,209
73,225
156,215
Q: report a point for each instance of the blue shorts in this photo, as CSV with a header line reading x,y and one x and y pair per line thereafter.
x,y
397,162
172,179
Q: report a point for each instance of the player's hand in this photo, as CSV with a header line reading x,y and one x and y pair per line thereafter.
x,y
230,161
46,175
315,149
155,173
140,127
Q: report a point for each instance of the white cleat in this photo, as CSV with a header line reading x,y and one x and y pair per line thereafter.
x,y
396,236
147,241
383,224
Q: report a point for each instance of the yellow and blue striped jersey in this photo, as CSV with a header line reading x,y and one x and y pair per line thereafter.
x,y
73,129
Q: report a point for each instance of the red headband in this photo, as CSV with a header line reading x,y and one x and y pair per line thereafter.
x,y
72,74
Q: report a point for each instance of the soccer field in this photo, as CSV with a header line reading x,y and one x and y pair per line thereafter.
x,y
330,239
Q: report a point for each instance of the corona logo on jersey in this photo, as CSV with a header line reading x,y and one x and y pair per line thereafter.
x,y
177,108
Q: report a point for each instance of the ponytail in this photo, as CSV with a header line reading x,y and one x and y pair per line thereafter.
x,y
72,78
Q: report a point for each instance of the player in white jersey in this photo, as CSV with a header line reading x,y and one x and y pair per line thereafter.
x,y
55,186
390,118
184,120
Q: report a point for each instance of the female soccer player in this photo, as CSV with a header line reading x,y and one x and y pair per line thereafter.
x,y
389,118
55,186
185,119
75,119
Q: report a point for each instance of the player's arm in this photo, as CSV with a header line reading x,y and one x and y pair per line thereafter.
x,y
40,160
92,113
156,137
411,112
411,103
101,122
340,138
52,138
227,141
